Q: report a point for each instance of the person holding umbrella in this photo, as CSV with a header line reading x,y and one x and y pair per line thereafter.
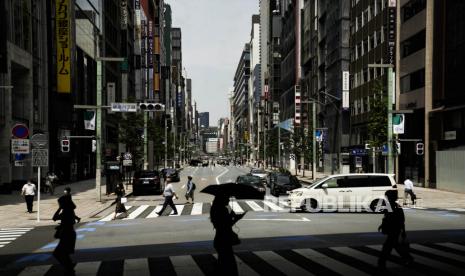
x,y
223,220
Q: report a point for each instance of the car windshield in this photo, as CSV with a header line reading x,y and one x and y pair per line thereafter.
x,y
145,174
170,171
249,179
283,179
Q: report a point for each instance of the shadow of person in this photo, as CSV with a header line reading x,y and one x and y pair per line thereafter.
x,y
65,232
225,238
393,226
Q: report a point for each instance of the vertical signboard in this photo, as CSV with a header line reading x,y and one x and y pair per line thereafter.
x,y
124,14
3,48
297,106
345,90
63,40
391,33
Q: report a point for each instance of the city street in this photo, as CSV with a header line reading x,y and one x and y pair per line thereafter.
x,y
274,241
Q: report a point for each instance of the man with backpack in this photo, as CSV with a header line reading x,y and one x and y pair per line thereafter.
x,y
190,187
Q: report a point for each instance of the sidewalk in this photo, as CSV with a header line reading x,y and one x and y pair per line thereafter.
x,y
13,207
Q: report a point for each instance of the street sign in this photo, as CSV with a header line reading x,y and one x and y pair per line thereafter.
x,y
124,107
20,131
127,156
39,140
127,162
40,157
19,163
398,123
20,146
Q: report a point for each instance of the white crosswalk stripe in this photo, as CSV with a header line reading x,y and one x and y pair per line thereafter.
x,y
7,235
272,206
197,209
179,208
254,205
137,212
110,216
154,214
288,262
235,207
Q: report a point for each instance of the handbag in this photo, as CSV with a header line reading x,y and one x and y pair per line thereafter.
x,y
58,232
124,200
235,238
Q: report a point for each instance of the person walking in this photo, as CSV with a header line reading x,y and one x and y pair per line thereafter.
x,y
190,187
169,194
393,226
65,231
225,238
408,190
120,207
50,182
29,191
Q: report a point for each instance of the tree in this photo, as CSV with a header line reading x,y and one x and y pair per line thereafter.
x,y
377,126
131,129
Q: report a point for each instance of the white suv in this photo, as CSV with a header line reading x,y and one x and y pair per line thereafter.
x,y
343,192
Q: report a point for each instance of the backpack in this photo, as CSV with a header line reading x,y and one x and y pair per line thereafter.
x,y
193,186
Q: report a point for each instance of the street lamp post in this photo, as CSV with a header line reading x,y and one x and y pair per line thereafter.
x,y
313,102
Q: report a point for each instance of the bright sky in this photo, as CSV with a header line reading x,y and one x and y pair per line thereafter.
x,y
213,35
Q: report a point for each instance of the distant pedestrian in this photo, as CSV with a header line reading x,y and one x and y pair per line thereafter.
x,y
120,207
393,226
190,187
29,191
225,238
50,182
408,190
169,194
65,231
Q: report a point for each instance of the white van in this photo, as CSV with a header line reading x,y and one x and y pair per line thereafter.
x,y
343,192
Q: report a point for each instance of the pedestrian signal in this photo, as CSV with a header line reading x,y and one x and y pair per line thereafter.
x,y
420,148
65,145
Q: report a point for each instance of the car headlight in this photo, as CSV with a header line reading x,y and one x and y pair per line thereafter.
x,y
296,193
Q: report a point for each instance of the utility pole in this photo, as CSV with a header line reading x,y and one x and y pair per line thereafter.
x,y
166,140
146,152
313,102
279,139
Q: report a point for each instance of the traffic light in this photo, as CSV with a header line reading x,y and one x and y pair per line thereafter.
x,y
94,145
151,107
65,145
420,148
397,147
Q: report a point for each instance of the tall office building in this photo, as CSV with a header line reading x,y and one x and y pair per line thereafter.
x,y
204,119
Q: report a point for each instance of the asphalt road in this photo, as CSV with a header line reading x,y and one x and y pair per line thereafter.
x,y
273,243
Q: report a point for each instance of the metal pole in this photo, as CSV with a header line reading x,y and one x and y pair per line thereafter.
x,y
146,152
265,119
279,141
390,167
313,140
38,194
98,134
166,142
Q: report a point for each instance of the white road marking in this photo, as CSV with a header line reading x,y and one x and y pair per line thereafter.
x,y
273,206
290,220
110,216
281,263
254,205
136,267
87,268
196,209
235,207
35,270
137,212
456,209
179,208
221,174
185,265
154,214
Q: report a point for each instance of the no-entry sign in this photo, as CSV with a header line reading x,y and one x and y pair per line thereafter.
x,y
20,131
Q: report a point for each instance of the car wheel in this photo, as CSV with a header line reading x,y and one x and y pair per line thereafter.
x,y
310,202
377,202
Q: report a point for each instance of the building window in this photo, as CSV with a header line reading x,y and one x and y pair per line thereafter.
x,y
365,46
413,44
412,8
412,81
366,16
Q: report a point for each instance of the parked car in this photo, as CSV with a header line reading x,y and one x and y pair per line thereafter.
x,y
195,162
170,174
148,181
253,181
205,163
350,191
282,183
260,173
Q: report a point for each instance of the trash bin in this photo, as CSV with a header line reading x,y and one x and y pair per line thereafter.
x,y
113,175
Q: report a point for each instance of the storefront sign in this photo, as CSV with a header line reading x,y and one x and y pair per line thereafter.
x,y
124,14
63,40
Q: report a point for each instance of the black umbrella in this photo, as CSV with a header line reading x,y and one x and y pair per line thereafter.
x,y
239,191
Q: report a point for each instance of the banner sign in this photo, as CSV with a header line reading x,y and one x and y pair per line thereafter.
x,y
398,123
63,40
89,120
391,33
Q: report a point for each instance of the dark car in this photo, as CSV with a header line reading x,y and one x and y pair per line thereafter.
x,y
195,162
253,181
147,181
170,174
282,183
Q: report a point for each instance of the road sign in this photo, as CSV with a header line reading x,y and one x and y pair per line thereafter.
x,y
398,123
40,157
20,146
124,107
127,162
39,140
19,163
20,131
127,156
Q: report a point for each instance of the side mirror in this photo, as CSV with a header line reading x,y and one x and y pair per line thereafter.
x,y
324,186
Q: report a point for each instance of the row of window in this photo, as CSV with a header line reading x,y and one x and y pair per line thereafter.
x,y
413,44
412,8
374,8
368,44
366,75
412,81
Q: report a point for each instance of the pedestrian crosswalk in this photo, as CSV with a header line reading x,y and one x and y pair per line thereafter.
x,y
198,208
7,235
430,259
239,206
